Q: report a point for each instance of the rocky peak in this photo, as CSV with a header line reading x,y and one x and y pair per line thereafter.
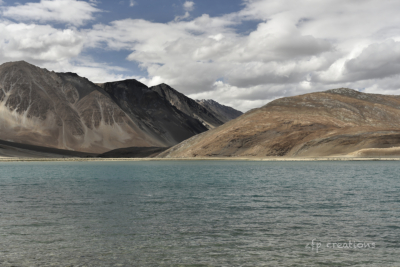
x,y
343,91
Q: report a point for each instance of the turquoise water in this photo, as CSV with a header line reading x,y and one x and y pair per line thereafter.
x,y
200,213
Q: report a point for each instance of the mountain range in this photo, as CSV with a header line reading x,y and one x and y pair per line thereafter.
x,y
49,114
65,111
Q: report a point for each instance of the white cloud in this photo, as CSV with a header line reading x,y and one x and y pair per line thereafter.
x,y
188,6
38,43
299,46
55,49
179,18
132,3
72,12
86,67
378,60
295,49
192,55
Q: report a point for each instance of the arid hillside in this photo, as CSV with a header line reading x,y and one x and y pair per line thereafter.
x,y
332,123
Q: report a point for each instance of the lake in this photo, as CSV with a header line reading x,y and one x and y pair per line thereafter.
x,y
200,213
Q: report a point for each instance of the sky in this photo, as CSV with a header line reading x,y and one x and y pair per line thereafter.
x,y
241,53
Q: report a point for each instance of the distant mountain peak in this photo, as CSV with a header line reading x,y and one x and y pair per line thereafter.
x,y
20,62
129,82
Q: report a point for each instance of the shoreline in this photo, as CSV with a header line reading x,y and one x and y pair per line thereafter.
x,y
272,159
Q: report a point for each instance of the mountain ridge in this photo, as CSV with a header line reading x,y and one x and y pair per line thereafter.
x,y
222,112
187,105
66,111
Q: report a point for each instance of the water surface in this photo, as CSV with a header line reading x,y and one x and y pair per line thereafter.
x,y
199,213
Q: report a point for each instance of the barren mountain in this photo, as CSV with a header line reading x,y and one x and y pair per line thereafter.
x,y
65,111
221,112
331,123
188,106
149,111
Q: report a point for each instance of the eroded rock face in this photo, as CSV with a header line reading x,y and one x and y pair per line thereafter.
x,y
331,123
63,110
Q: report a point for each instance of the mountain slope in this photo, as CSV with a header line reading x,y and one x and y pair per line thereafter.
x,y
188,106
62,110
334,122
65,111
150,111
221,112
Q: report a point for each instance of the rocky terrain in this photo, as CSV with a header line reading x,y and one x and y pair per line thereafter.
x,y
65,111
188,106
339,122
221,112
154,113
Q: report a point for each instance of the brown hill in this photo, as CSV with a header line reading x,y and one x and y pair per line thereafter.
x,y
330,123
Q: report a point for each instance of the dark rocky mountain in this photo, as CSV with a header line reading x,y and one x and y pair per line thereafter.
x,y
151,112
221,112
339,122
188,106
66,111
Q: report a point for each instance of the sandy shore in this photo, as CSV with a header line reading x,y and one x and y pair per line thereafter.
x,y
13,159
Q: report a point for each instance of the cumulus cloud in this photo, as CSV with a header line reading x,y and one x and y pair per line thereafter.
x,y
55,49
38,43
188,6
193,55
72,12
295,49
298,46
86,67
378,60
